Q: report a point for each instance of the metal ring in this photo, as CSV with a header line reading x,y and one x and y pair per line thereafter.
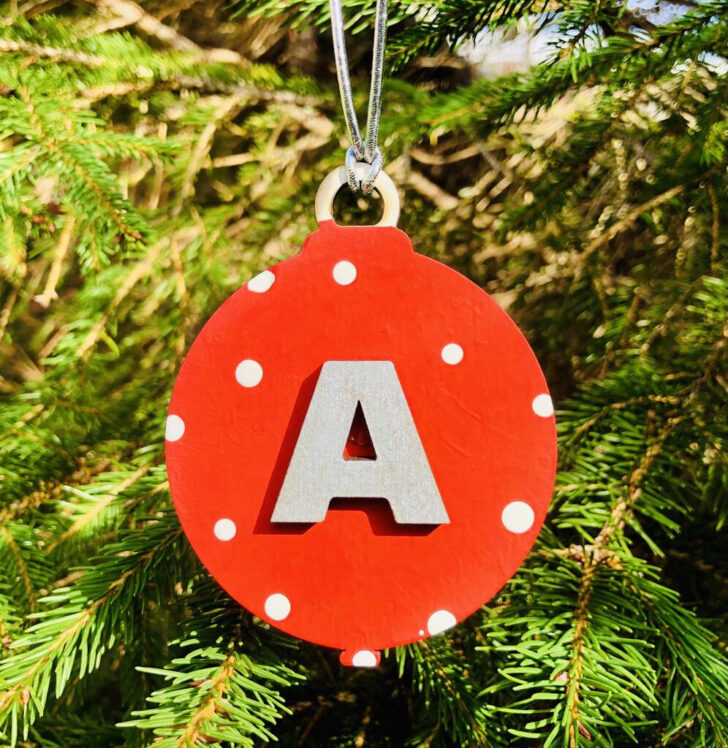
x,y
328,189
365,185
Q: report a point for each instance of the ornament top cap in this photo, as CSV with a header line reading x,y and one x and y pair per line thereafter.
x,y
330,186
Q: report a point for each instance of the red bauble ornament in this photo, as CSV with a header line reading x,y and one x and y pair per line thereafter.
x,y
360,581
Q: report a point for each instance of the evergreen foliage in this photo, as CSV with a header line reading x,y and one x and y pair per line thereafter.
x,y
153,158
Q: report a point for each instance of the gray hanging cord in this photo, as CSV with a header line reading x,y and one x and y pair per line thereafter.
x,y
361,151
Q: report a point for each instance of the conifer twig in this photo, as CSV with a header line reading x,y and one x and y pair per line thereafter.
x,y
64,243
138,271
99,507
22,566
192,732
224,109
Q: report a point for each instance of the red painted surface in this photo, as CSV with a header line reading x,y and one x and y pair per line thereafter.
x,y
359,581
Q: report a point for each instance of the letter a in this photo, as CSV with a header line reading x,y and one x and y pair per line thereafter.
x,y
319,472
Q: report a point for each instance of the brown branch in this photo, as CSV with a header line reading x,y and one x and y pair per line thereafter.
x,y
55,54
576,664
245,91
130,13
630,219
6,311
226,108
715,227
436,159
323,705
64,244
432,192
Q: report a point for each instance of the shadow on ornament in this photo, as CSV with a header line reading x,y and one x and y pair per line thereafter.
x,y
263,525
380,516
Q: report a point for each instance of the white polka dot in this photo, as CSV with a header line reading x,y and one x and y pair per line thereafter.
x,y
174,429
421,632
225,529
249,373
452,354
364,658
277,606
262,282
344,273
439,621
543,406
518,517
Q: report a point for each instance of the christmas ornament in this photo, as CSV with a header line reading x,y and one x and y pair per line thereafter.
x,y
360,443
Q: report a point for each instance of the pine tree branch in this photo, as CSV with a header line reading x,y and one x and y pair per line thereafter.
x,y
594,555
576,663
77,626
21,565
89,172
437,670
216,687
622,510
610,408
26,159
98,507
478,733
223,686
488,103
225,109
26,505
693,653
138,271
24,420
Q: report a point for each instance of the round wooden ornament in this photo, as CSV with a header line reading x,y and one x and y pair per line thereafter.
x,y
360,443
